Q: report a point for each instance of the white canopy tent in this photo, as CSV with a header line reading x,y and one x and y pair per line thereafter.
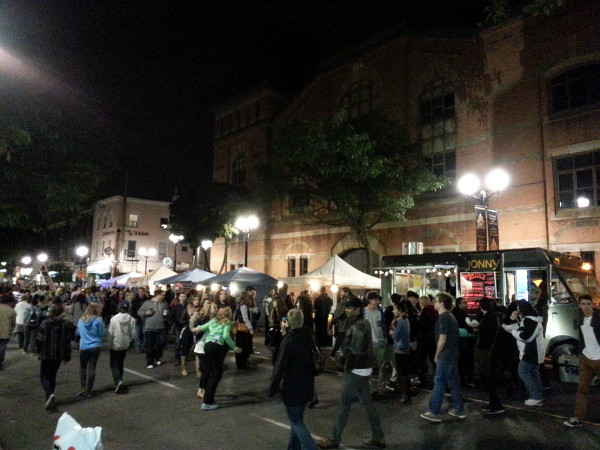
x,y
336,271
127,279
158,274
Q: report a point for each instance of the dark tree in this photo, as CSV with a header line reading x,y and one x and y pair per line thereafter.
x,y
209,213
342,173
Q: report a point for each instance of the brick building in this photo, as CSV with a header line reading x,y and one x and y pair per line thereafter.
x,y
523,96
121,227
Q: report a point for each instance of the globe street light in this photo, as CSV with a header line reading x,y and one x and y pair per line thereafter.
x,y
81,251
42,257
486,219
146,253
26,260
175,239
246,224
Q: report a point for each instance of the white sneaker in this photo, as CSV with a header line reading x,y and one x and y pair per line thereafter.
x,y
158,363
119,387
50,402
532,402
150,366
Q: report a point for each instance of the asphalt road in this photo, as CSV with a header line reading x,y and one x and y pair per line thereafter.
x,y
160,411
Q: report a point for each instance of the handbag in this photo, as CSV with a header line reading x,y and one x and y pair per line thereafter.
x,y
199,347
241,325
318,361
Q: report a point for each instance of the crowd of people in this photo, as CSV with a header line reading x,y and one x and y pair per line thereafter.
x,y
416,341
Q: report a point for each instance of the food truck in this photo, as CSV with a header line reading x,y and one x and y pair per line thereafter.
x,y
502,274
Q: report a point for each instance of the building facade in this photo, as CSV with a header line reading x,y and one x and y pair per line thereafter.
x,y
523,96
124,225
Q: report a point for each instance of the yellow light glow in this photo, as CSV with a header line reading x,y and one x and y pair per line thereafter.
x,y
314,285
334,289
233,288
280,284
214,287
586,266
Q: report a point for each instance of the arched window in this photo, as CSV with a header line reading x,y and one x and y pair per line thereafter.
x,y
575,87
360,98
438,128
238,170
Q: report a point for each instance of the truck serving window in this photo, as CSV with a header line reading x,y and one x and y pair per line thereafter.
x,y
577,282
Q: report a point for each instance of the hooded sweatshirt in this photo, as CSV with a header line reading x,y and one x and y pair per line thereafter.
x,y
121,331
529,336
91,333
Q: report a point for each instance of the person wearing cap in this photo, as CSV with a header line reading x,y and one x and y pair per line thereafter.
x,y
122,332
382,348
358,366
534,295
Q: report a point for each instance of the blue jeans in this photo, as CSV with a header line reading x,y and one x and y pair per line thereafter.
x,y
352,386
300,437
446,375
87,367
48,370
530,374
139,340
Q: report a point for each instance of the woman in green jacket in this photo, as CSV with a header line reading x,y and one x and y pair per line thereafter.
x,y
212,363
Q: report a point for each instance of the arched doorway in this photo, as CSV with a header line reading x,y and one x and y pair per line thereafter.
x,y
357,258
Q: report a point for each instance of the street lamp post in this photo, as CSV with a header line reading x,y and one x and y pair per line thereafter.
x,y
206,246
81,251
486,219
175,239
146,253
246,224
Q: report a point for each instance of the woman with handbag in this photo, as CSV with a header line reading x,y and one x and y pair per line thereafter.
x,y
278,312
245,330
217,332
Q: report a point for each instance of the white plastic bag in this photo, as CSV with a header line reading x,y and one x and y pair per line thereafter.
x,y
70,435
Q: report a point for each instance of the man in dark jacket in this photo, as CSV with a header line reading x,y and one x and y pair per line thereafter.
x,y
487,356
323,304
589,357
54,342
358,366
295,366
138,300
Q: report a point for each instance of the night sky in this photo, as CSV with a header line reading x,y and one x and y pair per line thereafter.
x,y
153,69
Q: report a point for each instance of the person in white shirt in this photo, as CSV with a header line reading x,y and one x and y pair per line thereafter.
x,y
589,358
20,309
121,334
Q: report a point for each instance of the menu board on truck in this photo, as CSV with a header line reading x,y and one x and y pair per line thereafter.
x,y
474,285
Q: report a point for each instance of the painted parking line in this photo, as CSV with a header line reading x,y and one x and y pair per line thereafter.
x,y
287,427
141,375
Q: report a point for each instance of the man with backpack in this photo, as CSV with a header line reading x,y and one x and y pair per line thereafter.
x,y
31,320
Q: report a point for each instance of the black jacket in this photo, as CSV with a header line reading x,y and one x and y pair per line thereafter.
x,y
358,345
295,366
323,304
595,326
488,331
